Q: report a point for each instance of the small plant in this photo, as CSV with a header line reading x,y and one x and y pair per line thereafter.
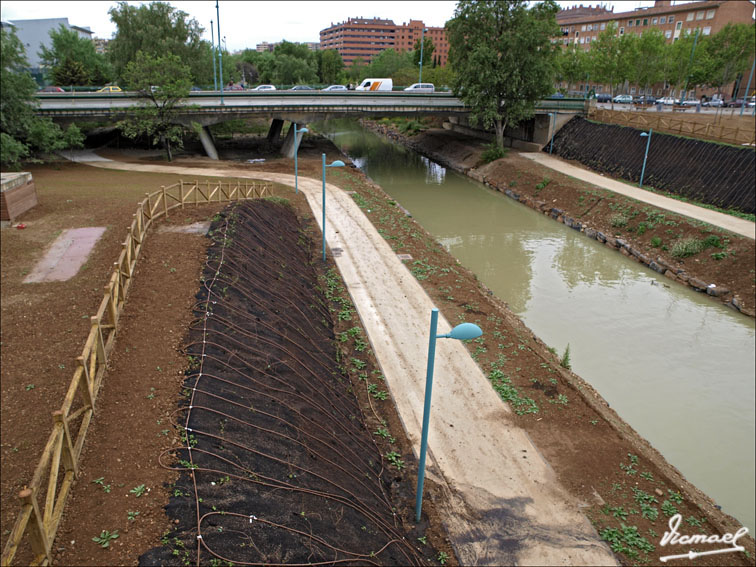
x,y
565,361
138,490
647,475
492,153
423,540
686,247
442,557
543,184
393,458
101,482
668,509
674,496
656,241
132,515
618,221
30,387
105,538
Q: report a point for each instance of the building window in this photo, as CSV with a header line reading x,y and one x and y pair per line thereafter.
x,y
603,26
690,17
632,90
671,19
700,15
653,22
678,27
590,27
707,30
622,31
645,21
582,28
663,20
629,23
637,22
588,39
668,34
582,40
709,14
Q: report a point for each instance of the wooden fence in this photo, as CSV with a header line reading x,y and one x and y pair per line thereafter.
x,y
44,498
743,134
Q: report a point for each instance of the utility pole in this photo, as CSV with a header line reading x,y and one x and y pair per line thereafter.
x,y
220,53
212,43
422,43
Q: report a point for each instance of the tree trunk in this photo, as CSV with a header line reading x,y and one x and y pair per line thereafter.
x,y
167,146
500,125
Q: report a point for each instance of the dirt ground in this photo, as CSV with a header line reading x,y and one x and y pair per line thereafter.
x,y
596,457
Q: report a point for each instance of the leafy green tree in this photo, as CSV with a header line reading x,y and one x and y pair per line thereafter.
x,y
330,65
572,65
22,132
503,58
428,49
609,58
685,64
648,58
389,62
163,82
157,29
72,60
728,53
358,70
287,69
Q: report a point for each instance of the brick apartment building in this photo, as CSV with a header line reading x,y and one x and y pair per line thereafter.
x,y
581,25
367,37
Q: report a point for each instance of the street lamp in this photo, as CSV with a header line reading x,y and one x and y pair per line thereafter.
x,y
553,121
643,170
337,163
461,332
212,42
422,43
296,150
220,53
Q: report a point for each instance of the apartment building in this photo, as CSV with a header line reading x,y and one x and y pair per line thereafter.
x,y
581,25
265,46
367,37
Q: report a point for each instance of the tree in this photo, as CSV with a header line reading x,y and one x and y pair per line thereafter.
x,y
389,62
428,49
572,65
609,58
648,58
503,58
22,132
358,70
686,61
156,29
330,65
163,82
72,60
728,54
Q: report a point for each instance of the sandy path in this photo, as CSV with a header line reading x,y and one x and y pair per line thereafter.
x,y
504,504
728,222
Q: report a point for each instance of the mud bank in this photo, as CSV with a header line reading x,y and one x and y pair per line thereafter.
x,y
722,274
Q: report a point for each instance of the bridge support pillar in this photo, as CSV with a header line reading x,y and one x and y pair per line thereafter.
x,y
290,145
275,130
207,142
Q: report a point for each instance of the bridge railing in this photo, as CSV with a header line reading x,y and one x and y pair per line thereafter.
x,y
43,499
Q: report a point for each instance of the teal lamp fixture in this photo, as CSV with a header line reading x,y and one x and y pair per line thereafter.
x,y
645,157
337,163
462,332
296,151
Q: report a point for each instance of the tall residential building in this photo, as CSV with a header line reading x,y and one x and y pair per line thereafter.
x,y
367,37
581,25
36,33
265,46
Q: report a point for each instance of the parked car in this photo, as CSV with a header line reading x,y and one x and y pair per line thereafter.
x,y
332,88
556,95
301,88
714,103
110,89
603,97
644,99
421,88
375,85
264,88
623,99
195,90
690,102
233,88
51,89
668,100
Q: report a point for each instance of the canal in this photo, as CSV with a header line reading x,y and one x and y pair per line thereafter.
x,y
677,366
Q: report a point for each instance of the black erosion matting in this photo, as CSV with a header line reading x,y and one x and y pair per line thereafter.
x,y
277,464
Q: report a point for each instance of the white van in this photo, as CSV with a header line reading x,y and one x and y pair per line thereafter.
x,y
375,85
421,88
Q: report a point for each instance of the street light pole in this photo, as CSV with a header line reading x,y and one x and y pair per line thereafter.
x,y
748,88
337,163
422,44
212,43
296,151
220,53
645,157
463,331
553,123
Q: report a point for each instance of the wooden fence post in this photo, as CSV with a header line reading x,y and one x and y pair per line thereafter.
x,y
181,193
67,452
37,535
165,201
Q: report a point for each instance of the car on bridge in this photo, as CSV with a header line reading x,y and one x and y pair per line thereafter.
x,y
623,99
421,88
110,89
332,88
264,88
301,88
51,89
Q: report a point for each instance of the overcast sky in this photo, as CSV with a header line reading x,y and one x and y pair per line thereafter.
x,y
247,23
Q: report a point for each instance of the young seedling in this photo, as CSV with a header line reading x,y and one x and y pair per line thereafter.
x,y
105,538
138,490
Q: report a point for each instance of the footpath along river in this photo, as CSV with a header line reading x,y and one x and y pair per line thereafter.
x,y
677,366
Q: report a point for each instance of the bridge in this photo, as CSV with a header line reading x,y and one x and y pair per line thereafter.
x,y
203,109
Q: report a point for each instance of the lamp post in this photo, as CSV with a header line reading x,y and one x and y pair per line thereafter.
x,y
220,53
461,332
748,89
422,44
645,157
212,43
337,163
296,150
553,121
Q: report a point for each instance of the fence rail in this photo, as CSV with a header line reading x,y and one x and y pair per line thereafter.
x,y
684,126
44,498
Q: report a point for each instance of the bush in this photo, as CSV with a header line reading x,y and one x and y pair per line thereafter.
x,y
618,220
493,152
656,242
11,151
687,247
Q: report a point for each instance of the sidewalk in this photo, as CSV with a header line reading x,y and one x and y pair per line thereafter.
x,y
500,508
733,224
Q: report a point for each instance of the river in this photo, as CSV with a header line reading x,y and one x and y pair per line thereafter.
x,y
677,366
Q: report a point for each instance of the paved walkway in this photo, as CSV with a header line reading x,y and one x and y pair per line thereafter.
x,y
500,508
728,222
